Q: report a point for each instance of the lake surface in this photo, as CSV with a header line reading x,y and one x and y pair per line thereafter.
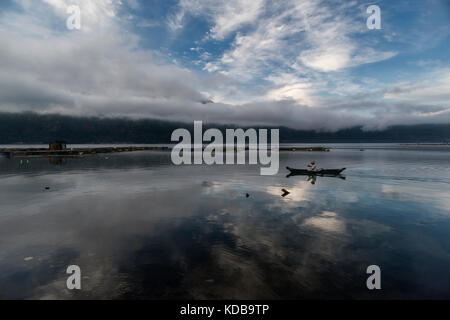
x,y
140,227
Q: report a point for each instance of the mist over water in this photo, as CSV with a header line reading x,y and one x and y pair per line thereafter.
x,y
140,227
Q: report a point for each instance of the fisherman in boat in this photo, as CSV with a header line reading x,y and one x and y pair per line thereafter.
x,y
312,166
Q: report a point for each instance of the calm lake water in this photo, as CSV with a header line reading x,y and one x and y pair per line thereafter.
x,y
140,227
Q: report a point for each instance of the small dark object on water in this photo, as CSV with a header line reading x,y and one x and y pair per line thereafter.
x,y
47,188
247,195
285,193
361,149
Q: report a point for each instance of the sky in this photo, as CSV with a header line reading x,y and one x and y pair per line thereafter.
x,y
305,64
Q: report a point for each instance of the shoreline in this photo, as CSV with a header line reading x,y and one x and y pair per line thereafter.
x,y
79,152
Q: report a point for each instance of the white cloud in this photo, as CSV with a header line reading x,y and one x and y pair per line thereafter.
x,y
102,70
301,38
326,59
290,87
226,15
433,88
234,14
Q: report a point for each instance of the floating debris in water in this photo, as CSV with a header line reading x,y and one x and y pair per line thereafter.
x,y
28,258
285,193
247,195
47,188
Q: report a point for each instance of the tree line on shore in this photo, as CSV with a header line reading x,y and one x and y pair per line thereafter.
x,y
29,127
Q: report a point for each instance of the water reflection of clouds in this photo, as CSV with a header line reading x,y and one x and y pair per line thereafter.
x,y
102,232
192,233
416,193
327,221
298,192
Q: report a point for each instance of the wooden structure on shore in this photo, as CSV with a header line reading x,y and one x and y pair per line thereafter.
x,y
57,145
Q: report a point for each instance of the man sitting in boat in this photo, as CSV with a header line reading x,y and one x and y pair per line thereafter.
x,y
312,166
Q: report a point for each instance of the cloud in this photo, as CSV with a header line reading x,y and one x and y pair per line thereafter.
x,y
312,33
226,15
71,69
303,41
274,74
434,88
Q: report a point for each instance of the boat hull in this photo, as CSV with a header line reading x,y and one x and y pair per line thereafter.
x,y
322,172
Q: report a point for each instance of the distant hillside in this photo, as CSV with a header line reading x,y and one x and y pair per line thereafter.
x,y
33,128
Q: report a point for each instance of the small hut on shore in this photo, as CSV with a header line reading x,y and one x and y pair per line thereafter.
x,y
57,145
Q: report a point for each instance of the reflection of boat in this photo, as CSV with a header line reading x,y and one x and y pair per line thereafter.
x,y
321,172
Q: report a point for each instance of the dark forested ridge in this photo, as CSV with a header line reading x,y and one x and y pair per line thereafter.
x,y
34,128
